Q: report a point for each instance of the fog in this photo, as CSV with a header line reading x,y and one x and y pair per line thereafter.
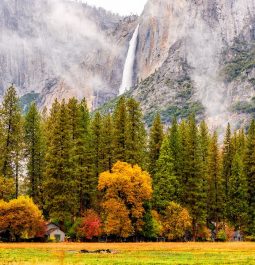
x,y
45,40
206,28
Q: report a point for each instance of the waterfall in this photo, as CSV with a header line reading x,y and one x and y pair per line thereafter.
x,y
127,78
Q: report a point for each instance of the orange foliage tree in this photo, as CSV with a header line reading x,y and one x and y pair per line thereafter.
x,y
176,221
22,218
7,188
125,190
90,225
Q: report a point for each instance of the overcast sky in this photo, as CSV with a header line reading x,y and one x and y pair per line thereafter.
x,y
119,6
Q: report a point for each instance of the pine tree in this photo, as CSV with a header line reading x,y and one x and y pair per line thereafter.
x,y
249,165
120,131
150,228
237,208
83,159
166,185
238,143
204,138
96,129
227,161
59,184
107,143
192,195
12,137
135,134
183,157
35,152
73,114
174,139
215,197
155,142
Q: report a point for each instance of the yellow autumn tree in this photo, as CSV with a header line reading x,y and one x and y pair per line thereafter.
x,y
176,221
7,188
125,189
22,218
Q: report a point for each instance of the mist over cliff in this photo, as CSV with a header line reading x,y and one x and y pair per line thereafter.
x,y
61,48
189,55
197,56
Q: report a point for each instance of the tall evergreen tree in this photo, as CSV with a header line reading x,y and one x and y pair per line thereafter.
x,y
96,129
215,192
237,208
59,184
73,114
192,195
83,159
107,143
227,161
135,134
204,141
35,152
155,142
165,184
204,138
120,131
249,164
12,137
238,143
174,141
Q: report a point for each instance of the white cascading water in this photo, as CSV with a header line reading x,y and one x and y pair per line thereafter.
x,y
127,78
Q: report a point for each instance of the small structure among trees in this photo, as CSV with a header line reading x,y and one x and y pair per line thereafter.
x,y
54,233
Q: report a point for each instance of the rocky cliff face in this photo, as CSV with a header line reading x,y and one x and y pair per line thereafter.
x,y
191,55
61,49
197,55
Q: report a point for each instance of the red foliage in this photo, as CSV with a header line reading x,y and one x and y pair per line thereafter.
x,y
41,229
90,225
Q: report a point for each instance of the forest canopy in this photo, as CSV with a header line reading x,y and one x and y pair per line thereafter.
x,y
98,174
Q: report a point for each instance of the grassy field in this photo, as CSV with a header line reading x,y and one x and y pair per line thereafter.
x,y
140,253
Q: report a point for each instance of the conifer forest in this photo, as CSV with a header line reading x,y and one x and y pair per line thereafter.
x,y
110,175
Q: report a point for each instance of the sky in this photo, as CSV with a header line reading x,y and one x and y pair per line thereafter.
x,y
121,7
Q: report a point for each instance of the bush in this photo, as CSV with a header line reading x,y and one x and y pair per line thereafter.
x,y
221,236
250,238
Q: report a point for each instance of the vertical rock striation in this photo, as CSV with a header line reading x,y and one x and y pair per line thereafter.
x,y
61,49
186,51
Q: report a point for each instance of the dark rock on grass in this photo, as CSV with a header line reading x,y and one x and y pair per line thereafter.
x,y
98,251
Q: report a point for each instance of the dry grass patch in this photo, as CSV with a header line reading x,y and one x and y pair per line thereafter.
x,y
128,253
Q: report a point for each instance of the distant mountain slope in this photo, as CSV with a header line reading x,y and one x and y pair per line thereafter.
x,y
191,55
61,49
197,56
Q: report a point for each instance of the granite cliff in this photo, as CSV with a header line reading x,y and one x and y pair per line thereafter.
x,y
189,55
197,56
59,49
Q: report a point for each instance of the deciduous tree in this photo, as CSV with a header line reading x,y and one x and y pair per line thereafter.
x,y
21,217
125,189
91,225
176,221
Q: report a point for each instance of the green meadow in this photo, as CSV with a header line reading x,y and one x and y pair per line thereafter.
x,y
140,253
